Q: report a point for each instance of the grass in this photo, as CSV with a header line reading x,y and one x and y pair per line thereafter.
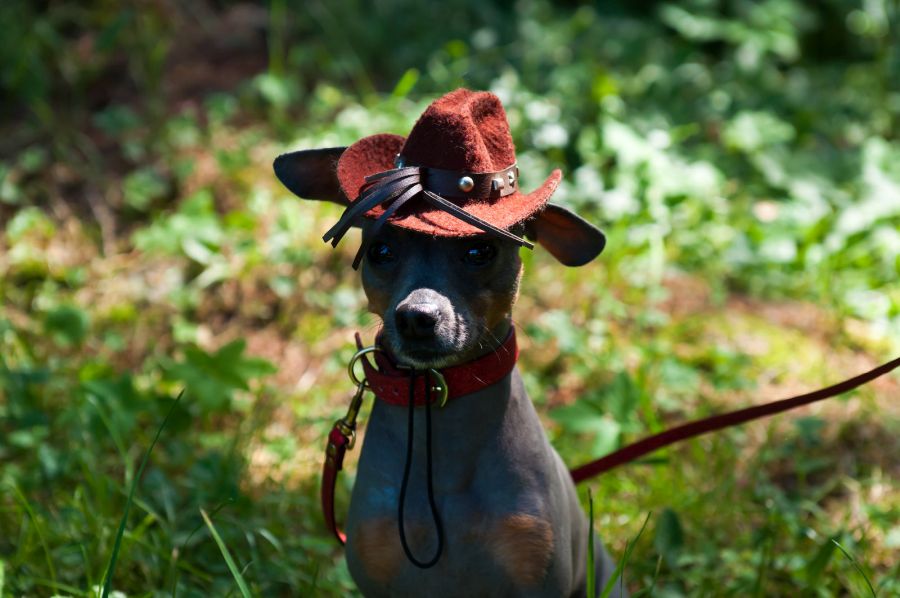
x,y
111,568
145,247
229,560
618,576
856,566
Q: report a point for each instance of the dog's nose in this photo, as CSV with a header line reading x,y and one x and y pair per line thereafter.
x,y
417,321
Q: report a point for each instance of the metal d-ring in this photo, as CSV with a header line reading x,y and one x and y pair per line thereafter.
x,y
356,357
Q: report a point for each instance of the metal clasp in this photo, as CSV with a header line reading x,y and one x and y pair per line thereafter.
x,y
438,385
347,424
356,357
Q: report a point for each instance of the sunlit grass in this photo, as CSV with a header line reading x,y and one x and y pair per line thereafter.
x,y
146,247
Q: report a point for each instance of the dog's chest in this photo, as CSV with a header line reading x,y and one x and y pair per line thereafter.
x,y
511,549
499,500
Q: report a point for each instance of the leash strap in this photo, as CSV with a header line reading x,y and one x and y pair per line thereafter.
x,y
334,462
342,436
718,422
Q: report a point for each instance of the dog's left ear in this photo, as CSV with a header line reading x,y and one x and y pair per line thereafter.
x,y
572,240
312,174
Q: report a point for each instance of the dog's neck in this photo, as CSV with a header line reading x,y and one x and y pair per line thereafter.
x,y
460,432
397,384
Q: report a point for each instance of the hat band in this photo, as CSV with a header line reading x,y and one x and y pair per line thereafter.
x,y
466,185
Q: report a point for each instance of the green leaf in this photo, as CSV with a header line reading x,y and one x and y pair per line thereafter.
x,y
669,537
144,186
29,221
194,230
584,418
213,377
67,324
623,396
406,83
754,131
816,565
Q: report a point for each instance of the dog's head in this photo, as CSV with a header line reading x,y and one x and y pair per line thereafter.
x,y
443,300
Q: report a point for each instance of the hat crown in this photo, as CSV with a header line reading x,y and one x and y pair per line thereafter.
x,y
465,131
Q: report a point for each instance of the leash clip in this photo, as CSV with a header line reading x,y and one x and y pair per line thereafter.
x,y
347,424
438,386
356,357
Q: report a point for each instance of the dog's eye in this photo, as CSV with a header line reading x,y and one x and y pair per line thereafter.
x,y
479,255
380,253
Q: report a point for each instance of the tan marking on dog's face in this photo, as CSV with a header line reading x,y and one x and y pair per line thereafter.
x,y
522,544
378,548
495,305
378,301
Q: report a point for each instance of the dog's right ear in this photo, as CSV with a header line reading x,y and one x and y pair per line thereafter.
x,y
312,174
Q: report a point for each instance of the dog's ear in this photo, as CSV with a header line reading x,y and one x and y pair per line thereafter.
x,y
572,240
311,174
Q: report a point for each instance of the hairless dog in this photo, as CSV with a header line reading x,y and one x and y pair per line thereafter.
x,y
486,505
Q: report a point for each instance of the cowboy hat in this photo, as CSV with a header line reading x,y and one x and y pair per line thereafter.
x,y
454,175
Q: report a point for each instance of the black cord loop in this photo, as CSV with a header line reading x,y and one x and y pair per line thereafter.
x,y
410,429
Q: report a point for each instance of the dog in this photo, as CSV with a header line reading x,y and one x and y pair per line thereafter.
x,y
467,498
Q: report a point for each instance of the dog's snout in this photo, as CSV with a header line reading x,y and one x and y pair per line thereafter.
x,y
417,321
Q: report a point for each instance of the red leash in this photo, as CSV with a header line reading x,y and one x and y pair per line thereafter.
x,y
343,433
713,423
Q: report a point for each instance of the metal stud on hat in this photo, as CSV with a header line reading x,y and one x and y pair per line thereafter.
x,y
466,184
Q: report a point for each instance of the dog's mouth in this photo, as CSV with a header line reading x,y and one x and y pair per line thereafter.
x,y
419,356
449,342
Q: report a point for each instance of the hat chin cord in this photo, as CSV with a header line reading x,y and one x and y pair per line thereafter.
x,y
410,429
398,186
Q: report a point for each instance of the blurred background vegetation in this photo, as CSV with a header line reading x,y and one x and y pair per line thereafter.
x,y
742,156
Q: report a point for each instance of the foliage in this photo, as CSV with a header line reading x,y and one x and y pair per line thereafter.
x,y
742,157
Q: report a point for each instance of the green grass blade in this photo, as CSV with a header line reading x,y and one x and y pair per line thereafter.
x,y
184,544
39,528
111,567
619,573
238,578
591,572
856,566
69,590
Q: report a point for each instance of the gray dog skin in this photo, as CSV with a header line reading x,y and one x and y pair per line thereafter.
x,y
512,520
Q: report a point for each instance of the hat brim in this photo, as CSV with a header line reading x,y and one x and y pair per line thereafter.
x,y
376,153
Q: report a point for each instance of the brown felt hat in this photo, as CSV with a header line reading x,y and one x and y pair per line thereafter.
x,y
455,175
464,153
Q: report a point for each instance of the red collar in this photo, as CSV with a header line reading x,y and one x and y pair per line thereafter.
x,y
391,384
